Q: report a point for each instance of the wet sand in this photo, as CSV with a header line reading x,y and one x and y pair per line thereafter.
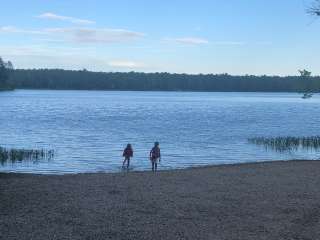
x,y
278,200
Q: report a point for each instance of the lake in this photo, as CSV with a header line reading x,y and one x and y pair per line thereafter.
x,y
89,129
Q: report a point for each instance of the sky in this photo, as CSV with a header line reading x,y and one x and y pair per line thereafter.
x,y
274,37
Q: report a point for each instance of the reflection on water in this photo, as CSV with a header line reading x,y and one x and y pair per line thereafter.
x,y
89,129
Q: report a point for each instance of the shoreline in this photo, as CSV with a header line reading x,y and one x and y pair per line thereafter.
x,y
190,168
266,200
141,90
7,89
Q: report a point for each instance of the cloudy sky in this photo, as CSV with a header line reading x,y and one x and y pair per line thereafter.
x,y
203,36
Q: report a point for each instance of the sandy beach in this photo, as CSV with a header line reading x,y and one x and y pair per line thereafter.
x,y
272,200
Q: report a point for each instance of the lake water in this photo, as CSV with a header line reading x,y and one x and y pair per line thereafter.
x,y
89,129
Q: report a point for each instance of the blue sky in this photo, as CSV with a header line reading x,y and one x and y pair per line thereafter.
x,y
274,37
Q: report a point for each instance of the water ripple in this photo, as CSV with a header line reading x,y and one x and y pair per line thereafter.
x,y
89,129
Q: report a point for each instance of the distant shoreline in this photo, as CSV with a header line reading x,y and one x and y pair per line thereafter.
x,y
128,90
6,89
162,81
266,200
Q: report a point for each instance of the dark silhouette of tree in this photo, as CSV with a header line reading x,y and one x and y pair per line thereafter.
x,y
304,73
5,69
9,65
314,9
136,81
3,74
306,78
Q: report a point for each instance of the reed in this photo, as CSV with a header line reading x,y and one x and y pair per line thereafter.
x,y
13,155
288,143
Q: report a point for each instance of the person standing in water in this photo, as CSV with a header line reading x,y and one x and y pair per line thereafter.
x,y
155,156
127,154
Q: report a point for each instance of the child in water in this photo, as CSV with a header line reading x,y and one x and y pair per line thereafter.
x,y
155,156
127,154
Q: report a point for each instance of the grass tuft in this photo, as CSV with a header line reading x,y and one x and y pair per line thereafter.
x,y
13,155
288,143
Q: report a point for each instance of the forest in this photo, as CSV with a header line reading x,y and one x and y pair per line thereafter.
x,y
6,69
136,81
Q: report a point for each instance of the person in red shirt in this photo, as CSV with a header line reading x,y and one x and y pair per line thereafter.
x,y
155,156
127,154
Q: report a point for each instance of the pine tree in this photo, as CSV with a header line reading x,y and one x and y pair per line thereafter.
x,y
3,74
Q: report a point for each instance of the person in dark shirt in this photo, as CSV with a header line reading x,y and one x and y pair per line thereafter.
x,y
127,154
155,156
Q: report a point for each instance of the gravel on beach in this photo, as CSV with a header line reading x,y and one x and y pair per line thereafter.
x,y
271,200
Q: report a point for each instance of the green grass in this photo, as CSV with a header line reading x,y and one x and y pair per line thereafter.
x,y
13,155
288,143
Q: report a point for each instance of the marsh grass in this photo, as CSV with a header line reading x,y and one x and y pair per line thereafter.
x,y
282,144
14,155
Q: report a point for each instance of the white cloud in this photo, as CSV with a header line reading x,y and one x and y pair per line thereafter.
x,y
125,64
42,50
228,43
11,29
52,16
41,56
191,40
80,35
96,35
202,41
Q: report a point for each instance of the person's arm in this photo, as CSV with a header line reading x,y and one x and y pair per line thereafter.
x,y
159,155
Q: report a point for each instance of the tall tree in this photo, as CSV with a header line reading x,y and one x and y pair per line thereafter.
x,y
306,78
3,74
6,68
314,9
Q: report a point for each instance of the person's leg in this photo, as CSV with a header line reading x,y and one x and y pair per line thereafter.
x,y
124,162
128,162
156,166
152,166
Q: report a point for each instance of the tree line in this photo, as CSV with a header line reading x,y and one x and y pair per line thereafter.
x,y
136,81
5,69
